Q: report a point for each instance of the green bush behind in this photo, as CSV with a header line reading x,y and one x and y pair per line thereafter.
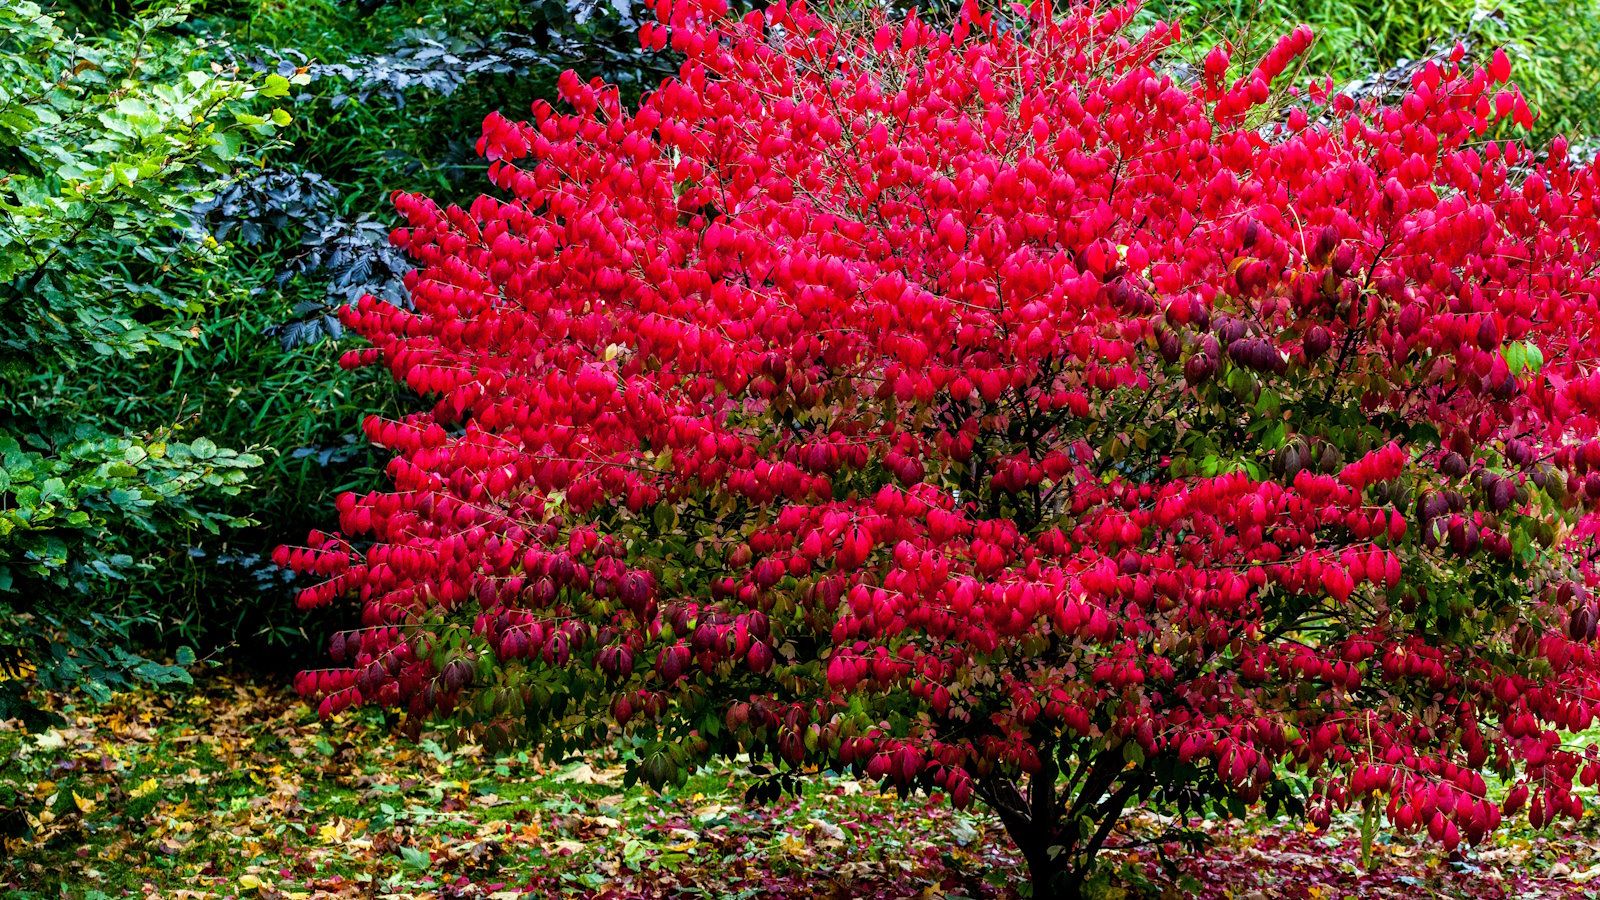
x,y
104,143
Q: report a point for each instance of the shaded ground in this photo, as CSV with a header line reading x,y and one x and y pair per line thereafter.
x,y
236,790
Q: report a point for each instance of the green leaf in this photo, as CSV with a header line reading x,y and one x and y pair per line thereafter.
x,y
229,145
666,518
1522,357
1516,357
1274,436
416,859
52,491
1535,357
1423,434
275,86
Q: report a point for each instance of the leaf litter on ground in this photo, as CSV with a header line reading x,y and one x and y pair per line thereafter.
x,y
236,790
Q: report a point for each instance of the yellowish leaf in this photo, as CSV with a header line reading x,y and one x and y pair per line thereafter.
x,y
793,845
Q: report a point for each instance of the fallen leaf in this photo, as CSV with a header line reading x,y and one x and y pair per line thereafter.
x,y
583,773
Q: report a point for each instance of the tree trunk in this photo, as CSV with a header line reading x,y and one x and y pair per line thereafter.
x,y
1061,876
1034,821
1045,877
1036,834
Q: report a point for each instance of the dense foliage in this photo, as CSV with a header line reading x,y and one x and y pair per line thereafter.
x,y
1555,45
988,411
208,282
105,145
383,94
221,275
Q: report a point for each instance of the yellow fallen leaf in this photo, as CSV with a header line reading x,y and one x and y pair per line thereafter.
x,y
144,789
250,882
19,670
793,845
84,804
831,833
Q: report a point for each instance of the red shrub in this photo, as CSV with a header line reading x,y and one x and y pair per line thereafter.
x,y
990,412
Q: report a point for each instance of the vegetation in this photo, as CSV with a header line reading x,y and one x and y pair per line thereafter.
x,y
1554,45
237,790
190,193
105,142
983,411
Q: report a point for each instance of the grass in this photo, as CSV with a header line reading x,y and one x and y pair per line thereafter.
x,y
237,790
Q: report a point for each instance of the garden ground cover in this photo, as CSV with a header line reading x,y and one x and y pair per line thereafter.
x,y
237,790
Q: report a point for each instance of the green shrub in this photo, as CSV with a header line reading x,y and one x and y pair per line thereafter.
x,y
106,144
232,292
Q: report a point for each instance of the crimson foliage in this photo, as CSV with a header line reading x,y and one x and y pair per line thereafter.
x,y
987,411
